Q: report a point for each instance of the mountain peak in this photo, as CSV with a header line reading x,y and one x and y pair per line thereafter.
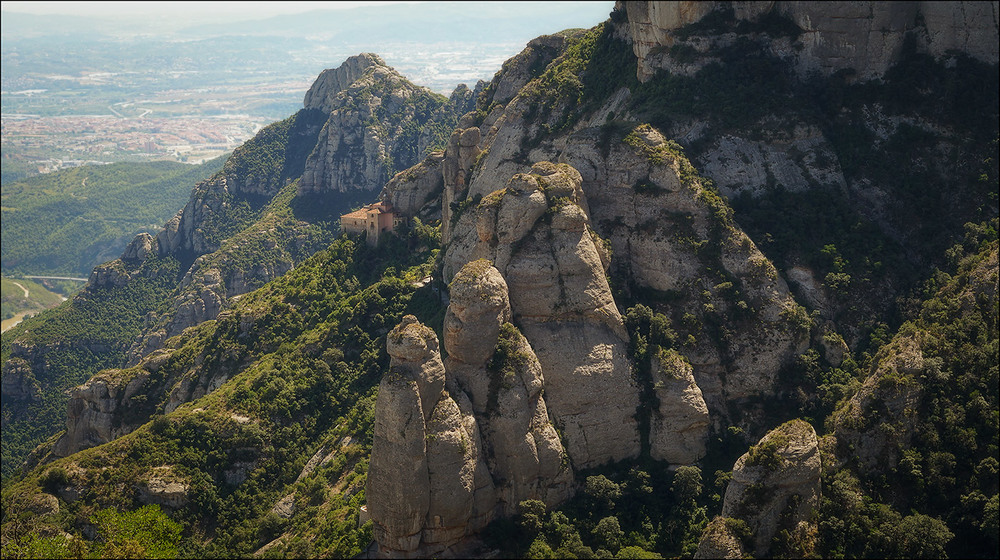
x,y
334,80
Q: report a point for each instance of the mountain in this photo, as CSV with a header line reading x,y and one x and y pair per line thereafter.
x,y
704,280
67,222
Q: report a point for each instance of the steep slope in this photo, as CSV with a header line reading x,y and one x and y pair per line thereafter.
x,y
627,353
67,222
256,441
245,226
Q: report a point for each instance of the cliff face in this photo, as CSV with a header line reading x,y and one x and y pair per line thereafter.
x,y
428,485
775,486
866,37
378,123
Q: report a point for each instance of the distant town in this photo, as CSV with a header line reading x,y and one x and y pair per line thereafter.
x,y
56,120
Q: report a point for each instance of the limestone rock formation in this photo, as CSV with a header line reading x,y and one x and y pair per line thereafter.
x,y
537,235
91,417
525,66
882,418
878,434
112,274
737,164
654,213
417,190
499,371
142,246
864,36
678,430
165,488
720,541
776,485
461,154
323,92
18,381
428,485
374,125
185,232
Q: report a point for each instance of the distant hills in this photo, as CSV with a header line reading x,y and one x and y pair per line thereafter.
x,y
67,222
422,22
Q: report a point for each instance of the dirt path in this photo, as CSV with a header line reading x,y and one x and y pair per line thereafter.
x,y
18,284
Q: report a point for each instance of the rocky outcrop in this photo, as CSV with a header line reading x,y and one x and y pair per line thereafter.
x,y
185,233
537,235
461,154
141,247
797,161
164,488
719,540
525,66
417,190
374,128
428,485
678,429
18,381
323,93
646,200
776,485
878,421
866,37
490,359
93,415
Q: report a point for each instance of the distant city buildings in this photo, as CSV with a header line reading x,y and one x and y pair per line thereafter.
x,y
375,220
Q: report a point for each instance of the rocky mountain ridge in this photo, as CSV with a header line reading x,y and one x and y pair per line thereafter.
x,y
597,306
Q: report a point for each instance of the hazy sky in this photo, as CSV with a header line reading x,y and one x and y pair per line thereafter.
x,y
182,10
179,13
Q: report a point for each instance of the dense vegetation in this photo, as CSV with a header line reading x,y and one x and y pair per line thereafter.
x,y
275,459
67,222
91,333
305,385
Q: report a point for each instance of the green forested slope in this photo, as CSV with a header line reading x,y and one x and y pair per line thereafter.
x,y
67,222
309,350
72,342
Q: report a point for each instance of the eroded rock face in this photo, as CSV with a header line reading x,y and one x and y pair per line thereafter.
x,y
490,359
525,66
459,157
882,418
184,233
864,36
554,270
719,541
678,431
165,488
139,248
323,92
373,126
91,415
776,485
417,190
797,162
18,381
894,389
428,485
654,214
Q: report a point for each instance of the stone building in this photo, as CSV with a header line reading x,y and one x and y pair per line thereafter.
x,y
374,219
